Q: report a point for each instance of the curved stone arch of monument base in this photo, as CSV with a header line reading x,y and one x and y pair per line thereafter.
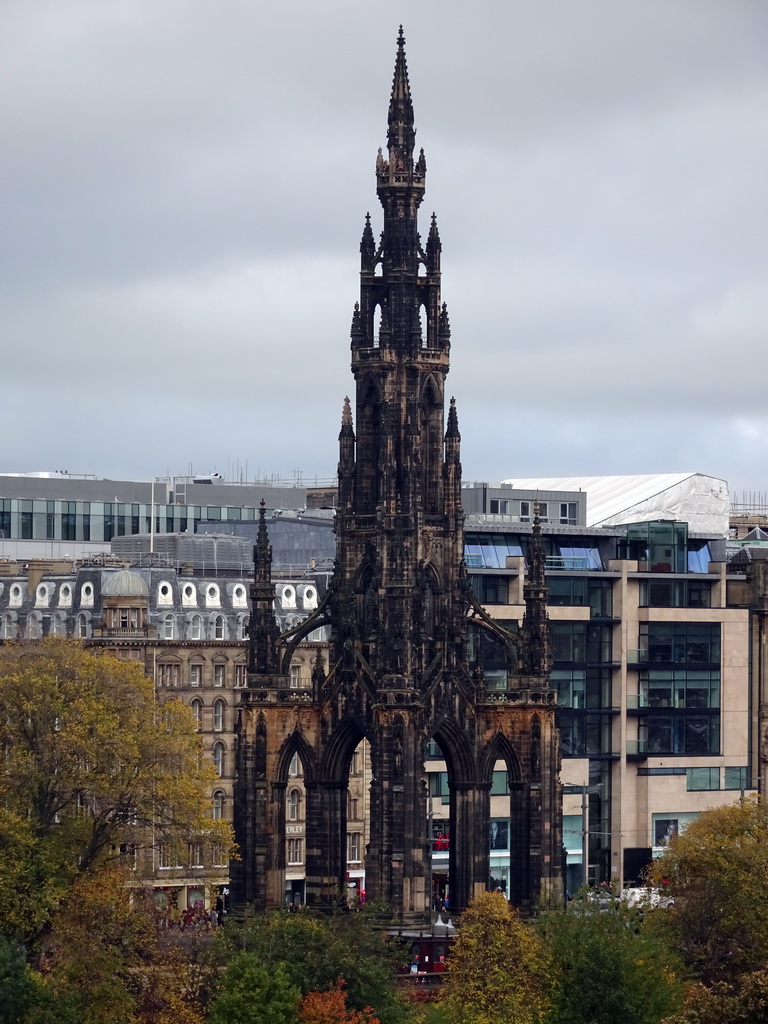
x,y
469,813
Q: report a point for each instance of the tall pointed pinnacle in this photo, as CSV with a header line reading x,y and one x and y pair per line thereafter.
x,y
263,629
538,658
262,552
401,134
452,430
367,246
536,558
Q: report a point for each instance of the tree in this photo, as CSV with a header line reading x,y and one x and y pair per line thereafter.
x,y
743,1002
331,1008
18,985
317,951
92,762
106,961
716,873
253,993
608,966
497,971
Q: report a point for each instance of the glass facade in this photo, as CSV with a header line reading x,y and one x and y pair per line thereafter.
x,y
97,521
675,593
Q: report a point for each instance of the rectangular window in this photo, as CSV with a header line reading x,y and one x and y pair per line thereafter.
x,y
569,513
584,734
581,642
498,834
295,851
499,784
737,778
703,778
490,589
219,675
353,805
675,593
295,677
196,855
195,675
241,675
353,847
680,733
679,688
525,511
169,675
676,642
217,855
164,855
498,507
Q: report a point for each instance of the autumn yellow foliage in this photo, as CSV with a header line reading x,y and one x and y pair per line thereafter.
x,y
497,972
92,763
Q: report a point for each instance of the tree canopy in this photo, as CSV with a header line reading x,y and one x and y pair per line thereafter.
x,y
318,951
497,970
716,872
92,763
608,966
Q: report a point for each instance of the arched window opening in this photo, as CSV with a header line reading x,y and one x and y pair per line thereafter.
x,y
218,758
218,805
294,805
218,716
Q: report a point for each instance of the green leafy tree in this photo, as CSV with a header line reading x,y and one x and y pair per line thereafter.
x,y
497,971
317,951
255,993
19,987
608,966
91,761
716,871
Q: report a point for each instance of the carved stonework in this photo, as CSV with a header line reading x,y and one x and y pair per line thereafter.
x,y
399,666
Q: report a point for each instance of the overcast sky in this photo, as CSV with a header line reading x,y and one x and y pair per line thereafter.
x,y
184,184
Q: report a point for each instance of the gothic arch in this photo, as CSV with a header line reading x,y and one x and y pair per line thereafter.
x,y
341,745
296,744
501,748
456,750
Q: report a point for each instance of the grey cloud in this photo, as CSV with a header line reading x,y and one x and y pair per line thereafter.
x,y
183,194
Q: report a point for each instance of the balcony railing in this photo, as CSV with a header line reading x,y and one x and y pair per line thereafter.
x,y
570,563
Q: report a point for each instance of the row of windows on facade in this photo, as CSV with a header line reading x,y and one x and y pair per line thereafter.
x,y
697,779
169,675
562,554
295,803
31,519
169,856
356,766
295,849
590,688
46,591
660,642
566,513
588,734
122,618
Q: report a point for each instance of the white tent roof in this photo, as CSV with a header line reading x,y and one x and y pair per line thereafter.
x,y
699,500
